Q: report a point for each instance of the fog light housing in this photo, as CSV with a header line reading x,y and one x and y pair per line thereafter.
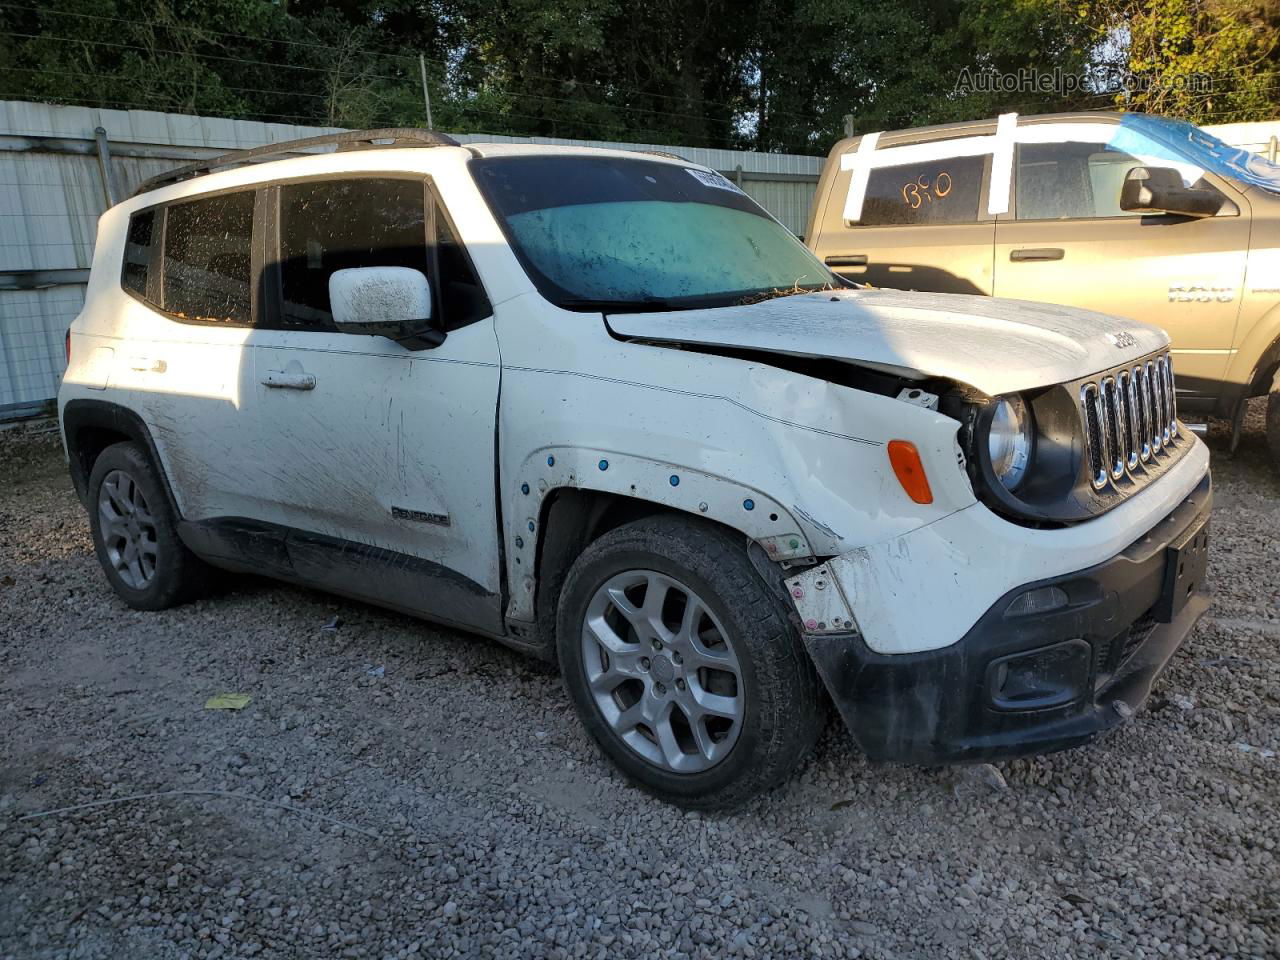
x,y
1039,600
1041,678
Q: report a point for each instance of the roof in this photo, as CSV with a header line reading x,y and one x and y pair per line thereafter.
x,y
970,128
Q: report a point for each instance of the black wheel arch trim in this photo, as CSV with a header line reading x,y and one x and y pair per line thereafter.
x,y
81,415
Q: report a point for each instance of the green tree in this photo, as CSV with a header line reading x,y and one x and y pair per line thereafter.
x,y
775,75
1206,61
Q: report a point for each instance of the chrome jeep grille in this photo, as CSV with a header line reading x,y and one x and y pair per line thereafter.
x,y
1130,420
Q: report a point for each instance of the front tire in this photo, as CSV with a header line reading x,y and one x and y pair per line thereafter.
x,y
684,665
135,532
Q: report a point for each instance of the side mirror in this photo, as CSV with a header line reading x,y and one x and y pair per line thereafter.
x,y
1160,190
391,302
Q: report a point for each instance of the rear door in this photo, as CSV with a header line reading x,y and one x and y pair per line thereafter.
x,y
1067,241
381,459
182,359
923,225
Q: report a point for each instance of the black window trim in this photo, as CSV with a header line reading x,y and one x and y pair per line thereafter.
x,y
264,272
272,281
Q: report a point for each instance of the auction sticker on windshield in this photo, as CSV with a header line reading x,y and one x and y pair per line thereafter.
x,y
709,178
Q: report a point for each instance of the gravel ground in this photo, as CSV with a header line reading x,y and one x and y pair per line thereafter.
x,y
394,790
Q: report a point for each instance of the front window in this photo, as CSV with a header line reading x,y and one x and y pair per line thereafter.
x,y
603,233
1071,181
328,225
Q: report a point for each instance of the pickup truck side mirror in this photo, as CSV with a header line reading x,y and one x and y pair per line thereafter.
x,y
1160,190
391,302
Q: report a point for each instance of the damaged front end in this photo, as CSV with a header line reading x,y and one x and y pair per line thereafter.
x,y
1053,662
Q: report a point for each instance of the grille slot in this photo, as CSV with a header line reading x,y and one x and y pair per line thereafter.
x,y
1130,420
1132,443
1091,405
1112,423
1157,407
1143,406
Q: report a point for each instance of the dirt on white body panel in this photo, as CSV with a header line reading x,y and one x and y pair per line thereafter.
x,y
794,462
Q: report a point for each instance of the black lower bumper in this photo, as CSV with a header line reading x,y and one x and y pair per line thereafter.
x,y
1032,682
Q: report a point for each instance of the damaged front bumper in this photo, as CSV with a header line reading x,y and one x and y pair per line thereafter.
x,y
1050,665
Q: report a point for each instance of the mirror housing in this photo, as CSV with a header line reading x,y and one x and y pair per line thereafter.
x,y
1160,190
391,302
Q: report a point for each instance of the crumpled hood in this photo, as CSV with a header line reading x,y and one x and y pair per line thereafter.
x,y
997,346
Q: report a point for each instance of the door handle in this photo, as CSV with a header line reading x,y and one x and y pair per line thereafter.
x,y
288,380
147,364
1036,253
847,260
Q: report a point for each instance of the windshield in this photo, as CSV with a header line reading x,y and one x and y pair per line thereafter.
x,y
1176,140
603,233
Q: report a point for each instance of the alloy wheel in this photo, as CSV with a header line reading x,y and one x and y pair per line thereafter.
x,y
662,671
128,529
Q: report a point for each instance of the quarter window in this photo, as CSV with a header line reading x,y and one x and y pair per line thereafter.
x,y
208,259
937,191
137,252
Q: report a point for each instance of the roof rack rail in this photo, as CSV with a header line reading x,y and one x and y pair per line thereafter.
x,y
346,140
664,153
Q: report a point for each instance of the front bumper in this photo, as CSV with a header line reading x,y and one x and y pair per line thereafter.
x,y
1035,682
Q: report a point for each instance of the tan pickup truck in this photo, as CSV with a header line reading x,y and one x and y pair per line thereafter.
x,y
1129,214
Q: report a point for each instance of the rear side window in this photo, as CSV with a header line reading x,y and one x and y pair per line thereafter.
x,y
334,224
138,249
936,191
208,254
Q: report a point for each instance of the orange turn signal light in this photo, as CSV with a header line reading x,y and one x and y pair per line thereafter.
x,y
909,470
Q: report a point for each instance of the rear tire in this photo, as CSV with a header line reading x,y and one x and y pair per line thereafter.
x,y
135,532
684,664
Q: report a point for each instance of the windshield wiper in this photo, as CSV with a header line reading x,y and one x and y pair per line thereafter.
x,y
615,306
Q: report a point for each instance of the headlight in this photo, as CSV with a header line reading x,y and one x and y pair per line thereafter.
x,y
1011,441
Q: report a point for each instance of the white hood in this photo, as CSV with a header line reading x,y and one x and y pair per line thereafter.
x,y
997,346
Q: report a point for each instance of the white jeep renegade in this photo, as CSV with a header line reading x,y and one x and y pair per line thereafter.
x,y
601,407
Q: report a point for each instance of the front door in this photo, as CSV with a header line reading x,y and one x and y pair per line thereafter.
x,y
381,459
1067,241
